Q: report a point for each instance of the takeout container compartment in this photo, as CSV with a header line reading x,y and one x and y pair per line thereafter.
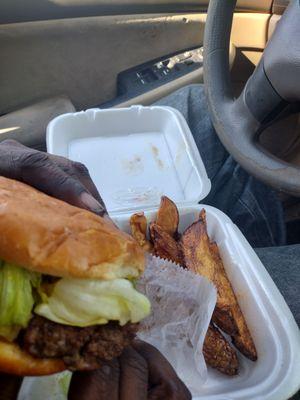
x,y
137,154
134,155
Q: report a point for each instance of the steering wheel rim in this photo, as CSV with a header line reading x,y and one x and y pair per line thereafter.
x,y
238,121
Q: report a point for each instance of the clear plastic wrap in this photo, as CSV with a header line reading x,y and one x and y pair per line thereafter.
x,y
182,306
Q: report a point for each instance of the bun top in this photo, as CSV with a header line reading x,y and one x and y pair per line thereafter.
x,y
43,234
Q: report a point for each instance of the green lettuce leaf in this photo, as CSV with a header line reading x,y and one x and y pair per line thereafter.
x,y
85,302
16,298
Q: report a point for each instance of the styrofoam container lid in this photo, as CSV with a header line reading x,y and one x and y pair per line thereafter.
x,y
134,155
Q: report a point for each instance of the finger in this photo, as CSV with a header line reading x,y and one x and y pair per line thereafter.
x,y
9,386
134,376
10,152
95,385
86,180
82,173
79,171
163,380
37,170
51,180
12,143
157,364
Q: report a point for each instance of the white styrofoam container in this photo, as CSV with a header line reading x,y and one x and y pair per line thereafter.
x,y
137,154
134,155
276,373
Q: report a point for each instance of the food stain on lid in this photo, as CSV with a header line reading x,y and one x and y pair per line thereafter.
x,y
133,166
155,152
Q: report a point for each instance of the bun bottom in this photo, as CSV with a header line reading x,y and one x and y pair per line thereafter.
x,y
15,361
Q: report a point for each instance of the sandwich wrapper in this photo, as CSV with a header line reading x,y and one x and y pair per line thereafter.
x,y
182,306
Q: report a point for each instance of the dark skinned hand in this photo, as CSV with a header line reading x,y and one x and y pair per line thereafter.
x,y
56,176
141,372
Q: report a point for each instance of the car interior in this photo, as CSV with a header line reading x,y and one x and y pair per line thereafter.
x,y
61,56
58,56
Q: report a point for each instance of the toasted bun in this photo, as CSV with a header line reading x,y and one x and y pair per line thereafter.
x,y
17,362
47,235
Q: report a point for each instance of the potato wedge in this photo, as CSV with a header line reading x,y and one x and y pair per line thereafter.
x,y
168,217
164,245
218,353
138,224
198,257
203,257
242,338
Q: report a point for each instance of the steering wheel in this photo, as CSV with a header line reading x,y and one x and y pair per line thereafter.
x,y
271,92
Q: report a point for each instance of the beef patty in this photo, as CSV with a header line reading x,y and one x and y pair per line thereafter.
x,y
79,348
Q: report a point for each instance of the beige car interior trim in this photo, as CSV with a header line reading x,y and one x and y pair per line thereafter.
x,y
250,30
28,125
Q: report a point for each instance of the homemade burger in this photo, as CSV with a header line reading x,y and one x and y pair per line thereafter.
x,y
67,294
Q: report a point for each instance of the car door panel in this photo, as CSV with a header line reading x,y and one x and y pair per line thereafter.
x,y
81,57
12,11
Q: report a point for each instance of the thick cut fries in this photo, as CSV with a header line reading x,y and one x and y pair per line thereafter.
x,y
198,257
242,339
164,245
168,217
203,257
218,353
138,224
